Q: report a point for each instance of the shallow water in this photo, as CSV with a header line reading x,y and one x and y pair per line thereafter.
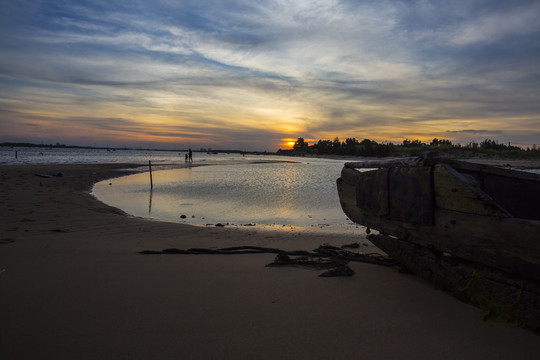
x,y
270,193
43,155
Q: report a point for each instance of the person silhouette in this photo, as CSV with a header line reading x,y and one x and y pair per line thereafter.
x,y
190,156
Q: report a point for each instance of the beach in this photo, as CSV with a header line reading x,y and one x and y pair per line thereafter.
x,y
73,285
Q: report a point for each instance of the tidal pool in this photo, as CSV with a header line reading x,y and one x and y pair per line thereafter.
x,y
270,193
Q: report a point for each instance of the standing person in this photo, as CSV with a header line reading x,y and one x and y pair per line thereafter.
x,y
190,156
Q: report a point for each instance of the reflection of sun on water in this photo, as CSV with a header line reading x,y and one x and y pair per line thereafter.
x,y
280,193
287,179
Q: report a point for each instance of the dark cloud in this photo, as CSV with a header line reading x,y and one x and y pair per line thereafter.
x,y
233,70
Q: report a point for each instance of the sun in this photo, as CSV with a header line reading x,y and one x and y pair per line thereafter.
x,y
288,142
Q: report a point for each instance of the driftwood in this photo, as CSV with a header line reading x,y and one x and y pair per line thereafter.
x,y
334,267
323,251
325,257
502,297
444,209
225,251
471,229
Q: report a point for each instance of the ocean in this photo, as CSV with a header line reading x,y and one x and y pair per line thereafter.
x,y
43,155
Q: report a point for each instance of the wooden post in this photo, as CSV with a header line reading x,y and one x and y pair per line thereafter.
x,y
150,166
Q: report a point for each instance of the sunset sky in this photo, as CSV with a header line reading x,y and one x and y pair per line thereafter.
x,y
249,74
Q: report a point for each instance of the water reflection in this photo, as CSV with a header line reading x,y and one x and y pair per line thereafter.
x,y
150,201
267,193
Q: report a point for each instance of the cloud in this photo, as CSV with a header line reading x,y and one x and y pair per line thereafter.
x,y
242,69
500,24
474,131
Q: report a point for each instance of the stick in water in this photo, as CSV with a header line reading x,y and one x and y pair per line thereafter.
x,y
150,166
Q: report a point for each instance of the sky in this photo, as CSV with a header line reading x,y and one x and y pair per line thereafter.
x,y
256,74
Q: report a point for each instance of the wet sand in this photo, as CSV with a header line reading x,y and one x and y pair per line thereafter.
x,y
73,286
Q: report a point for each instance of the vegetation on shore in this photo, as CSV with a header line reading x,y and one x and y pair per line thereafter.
x,y
367,147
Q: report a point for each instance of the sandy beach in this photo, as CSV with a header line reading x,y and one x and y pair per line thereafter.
x,y
74,286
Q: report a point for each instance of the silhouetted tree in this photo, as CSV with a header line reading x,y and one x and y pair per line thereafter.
x,y
441,142
412,143
349,146
300,144
324,147
336,145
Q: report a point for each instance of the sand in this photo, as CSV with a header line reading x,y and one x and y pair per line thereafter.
x,y
73,286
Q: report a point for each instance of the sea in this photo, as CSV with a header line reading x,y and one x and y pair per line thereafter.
x,y
229,189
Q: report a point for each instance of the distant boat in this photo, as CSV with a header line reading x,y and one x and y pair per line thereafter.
x,y
472,229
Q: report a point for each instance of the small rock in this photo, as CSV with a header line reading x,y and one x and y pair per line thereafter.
x,y
282,259
183,216
343,270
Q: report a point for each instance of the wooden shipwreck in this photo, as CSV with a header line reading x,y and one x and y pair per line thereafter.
x,y
472,229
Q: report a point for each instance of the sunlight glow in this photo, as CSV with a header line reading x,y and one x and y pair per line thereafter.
x,y
288,143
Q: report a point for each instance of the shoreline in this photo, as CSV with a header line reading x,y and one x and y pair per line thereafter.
x,y
73,285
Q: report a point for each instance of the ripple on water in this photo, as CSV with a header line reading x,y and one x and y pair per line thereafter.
x,y
269,193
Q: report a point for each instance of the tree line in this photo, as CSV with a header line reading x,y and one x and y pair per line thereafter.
x,y
367,147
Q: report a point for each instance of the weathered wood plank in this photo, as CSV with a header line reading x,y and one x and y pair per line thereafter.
x,y
453,191
482,286
410,195
519,196
486,222
349,176
509,244
390,163
483,169
372,191
456,164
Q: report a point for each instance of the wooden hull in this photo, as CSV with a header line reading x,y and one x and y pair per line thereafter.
x,y
502,296
454,222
